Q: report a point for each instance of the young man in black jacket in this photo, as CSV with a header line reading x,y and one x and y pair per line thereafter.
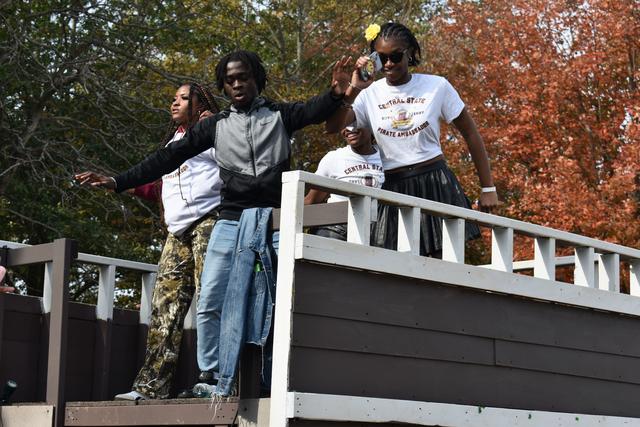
x,y
252,141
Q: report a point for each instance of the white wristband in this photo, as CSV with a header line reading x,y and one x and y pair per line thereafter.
x,y
488,189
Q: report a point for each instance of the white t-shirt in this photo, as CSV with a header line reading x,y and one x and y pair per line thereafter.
x,y
405,119
346,165
195,191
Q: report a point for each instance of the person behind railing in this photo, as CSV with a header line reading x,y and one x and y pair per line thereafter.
x,y
358,162
190,197
253,147
404,110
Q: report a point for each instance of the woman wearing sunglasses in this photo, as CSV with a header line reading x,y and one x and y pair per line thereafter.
x,y
403,111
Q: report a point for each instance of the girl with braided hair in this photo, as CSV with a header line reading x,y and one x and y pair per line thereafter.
x,y
190,197
403,111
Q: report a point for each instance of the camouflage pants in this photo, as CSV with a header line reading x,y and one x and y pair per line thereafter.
x,y
177,282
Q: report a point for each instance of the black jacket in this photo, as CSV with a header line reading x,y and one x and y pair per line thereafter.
x,y
252,148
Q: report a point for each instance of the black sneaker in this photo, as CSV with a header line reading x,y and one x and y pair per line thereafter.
x,y
203,388
207,377
186,394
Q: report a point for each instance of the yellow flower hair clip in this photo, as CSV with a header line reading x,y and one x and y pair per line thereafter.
x,y
371,32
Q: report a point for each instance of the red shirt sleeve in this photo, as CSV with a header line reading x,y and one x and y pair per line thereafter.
x,y
151,191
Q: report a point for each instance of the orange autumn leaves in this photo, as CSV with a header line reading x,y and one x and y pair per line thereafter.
x,y
554,89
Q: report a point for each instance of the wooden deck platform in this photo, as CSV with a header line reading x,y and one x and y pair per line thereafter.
x,y
182,412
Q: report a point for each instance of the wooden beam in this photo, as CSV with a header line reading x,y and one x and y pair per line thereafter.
x,y
151,413
32,254
64,251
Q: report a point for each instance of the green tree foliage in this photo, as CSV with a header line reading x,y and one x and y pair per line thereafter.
x,y
76,82
86,85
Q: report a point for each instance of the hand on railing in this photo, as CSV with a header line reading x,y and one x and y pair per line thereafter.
x,y
488,202
95,180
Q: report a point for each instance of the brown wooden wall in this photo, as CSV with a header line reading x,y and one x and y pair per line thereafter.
x,y
23,350
367,334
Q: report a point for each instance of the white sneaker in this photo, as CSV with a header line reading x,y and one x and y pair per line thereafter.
x,y
132,395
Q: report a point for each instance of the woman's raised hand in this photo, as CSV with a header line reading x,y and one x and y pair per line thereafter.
x,y
357,84
95,180
340,76
356,78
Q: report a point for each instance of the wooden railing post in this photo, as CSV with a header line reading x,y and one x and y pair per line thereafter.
x,y
359,220
453,240
45,306
64,251
146,305
609,272
291,219
502,249
47,286
190,318
104,320
545,258
634,277
584,269
409,230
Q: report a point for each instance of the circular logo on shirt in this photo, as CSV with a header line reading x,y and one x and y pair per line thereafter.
x,y
401,119
369,180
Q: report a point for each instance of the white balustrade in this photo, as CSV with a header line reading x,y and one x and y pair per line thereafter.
x,y
609,272
146,297
453,240
634,276
583,274
544,258
359,220
47,287
502,249
190,320
106,282
106,290
596,263
409,230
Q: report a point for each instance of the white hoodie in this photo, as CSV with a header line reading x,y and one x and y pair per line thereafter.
x,y
191,191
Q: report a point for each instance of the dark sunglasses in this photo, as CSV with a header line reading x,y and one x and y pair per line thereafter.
x,y
394,57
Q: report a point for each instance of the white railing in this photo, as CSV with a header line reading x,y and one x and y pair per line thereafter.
x,y
107,284
596,263
598,288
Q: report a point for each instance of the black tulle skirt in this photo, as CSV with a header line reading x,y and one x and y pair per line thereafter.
x,y
434,181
